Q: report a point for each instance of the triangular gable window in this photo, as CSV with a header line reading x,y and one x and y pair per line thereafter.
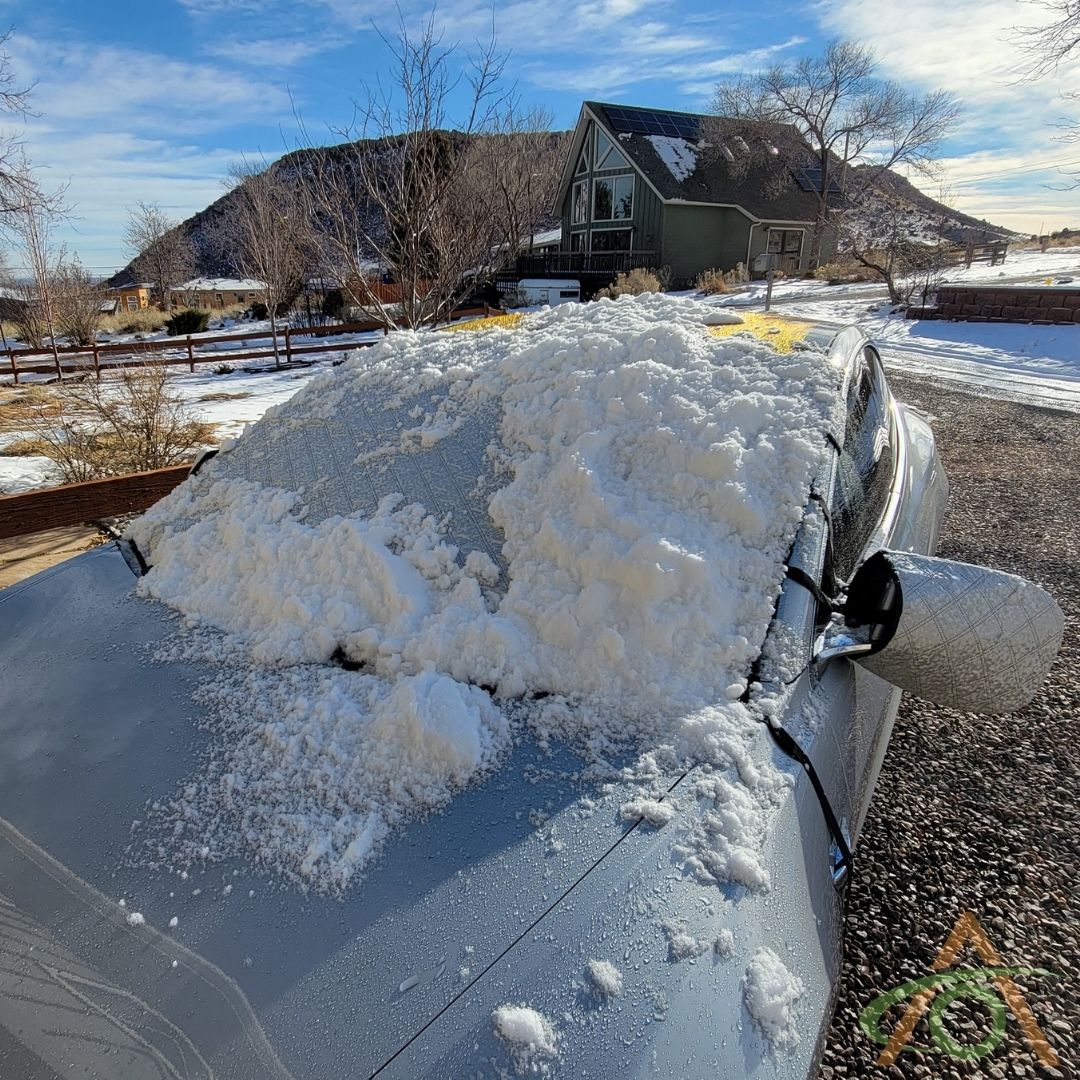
x,y
583,161
608,155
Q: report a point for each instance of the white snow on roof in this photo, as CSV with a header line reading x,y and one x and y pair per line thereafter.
x,y
212,284
548,236
679,155
770,992
648,479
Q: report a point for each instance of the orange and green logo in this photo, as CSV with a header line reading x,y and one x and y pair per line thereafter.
x,y
992,986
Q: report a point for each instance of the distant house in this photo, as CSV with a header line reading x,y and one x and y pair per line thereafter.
x,y
656,188
121,298
212,294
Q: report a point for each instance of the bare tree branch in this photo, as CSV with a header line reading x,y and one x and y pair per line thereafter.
x,y
845,114
163,256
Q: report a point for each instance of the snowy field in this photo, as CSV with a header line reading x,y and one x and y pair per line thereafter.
x,y
1038,365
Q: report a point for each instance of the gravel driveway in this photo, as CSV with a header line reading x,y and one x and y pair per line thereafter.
x,y
973,813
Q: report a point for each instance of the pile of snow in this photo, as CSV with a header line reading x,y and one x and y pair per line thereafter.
x,y
653,811
605,977
530,1035
770,992
645,480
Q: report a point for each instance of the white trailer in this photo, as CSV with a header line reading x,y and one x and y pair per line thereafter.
x,y
549,290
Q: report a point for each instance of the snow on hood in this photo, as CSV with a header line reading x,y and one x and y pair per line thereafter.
x,y
647,480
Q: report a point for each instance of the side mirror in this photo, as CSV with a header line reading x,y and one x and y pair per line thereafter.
x,y
962,636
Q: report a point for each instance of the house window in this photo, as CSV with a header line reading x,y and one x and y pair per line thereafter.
x,y
580,205
613,198
785,242
132,303
608,155
583,161
577,241
611,239
220,299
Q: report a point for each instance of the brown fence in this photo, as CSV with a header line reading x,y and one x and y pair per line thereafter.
x,y
72,504
189,351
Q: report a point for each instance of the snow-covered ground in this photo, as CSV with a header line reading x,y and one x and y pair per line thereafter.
x,y
1033,364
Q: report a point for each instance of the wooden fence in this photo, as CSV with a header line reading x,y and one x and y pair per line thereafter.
x,y
189,351
72,504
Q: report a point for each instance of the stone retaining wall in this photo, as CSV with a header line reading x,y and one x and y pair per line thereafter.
x,y
1001,304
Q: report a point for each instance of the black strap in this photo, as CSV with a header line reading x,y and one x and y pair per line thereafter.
x,y
793,750
801,577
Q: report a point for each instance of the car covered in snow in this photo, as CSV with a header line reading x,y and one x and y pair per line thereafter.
x,y
504,703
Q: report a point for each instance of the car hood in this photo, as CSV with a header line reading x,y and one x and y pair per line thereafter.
x,y
505,897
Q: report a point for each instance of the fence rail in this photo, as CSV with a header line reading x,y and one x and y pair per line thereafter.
x,y
189,351
72,504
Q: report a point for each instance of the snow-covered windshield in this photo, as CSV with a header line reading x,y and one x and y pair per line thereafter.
x,y
588,513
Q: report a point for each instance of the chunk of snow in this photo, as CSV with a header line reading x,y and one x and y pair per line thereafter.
x,y
770,992
719,317
605,977
679,155
530,1035
682,945
724,945
656,813
135,918
174,922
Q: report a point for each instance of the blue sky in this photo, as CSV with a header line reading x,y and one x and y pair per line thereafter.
x,y
154,99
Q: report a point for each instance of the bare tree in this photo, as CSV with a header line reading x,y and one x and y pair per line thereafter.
x,y
519,162
1054,42
77,297
883,243
18,187
271,236
162,254
32,225
1051,45
412,194
846,114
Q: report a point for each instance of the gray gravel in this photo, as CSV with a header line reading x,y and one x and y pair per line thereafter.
x,y
981,813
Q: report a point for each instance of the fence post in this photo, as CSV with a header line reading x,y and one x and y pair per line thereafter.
x,y
14,366
288,344
190,355
97,361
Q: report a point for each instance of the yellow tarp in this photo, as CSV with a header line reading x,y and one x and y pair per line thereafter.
x,y
780,332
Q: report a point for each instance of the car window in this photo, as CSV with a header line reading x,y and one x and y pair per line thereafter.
x,y
865,468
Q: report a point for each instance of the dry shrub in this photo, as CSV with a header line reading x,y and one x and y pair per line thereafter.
x,y
142,321
711,282
126,422
29,447
844,270
634,283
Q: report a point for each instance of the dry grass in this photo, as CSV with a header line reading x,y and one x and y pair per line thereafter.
x,y
711,282
223,395
635,283
26,447
144,321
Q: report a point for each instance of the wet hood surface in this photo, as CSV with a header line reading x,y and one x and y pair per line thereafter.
x,y
465,911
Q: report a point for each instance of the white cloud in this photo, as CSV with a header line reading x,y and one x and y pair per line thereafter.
x,y
266,52
973,49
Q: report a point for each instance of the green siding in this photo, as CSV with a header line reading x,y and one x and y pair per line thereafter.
x,y
698,238
646,220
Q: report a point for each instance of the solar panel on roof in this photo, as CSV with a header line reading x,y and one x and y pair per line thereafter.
x,y
643,122
809,179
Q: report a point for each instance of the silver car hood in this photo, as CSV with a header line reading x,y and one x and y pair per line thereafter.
x,y
465,912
